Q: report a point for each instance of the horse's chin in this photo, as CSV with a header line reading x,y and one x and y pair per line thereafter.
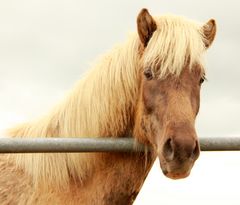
x,y
176,176
177,173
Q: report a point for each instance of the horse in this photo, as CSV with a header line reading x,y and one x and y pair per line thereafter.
x,y
147,87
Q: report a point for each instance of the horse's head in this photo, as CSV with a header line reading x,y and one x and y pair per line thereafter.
x,y
171,49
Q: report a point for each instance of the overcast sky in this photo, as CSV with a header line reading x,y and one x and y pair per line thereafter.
x,y
46,45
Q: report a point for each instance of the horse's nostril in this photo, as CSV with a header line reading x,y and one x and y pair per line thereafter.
x,y
196,151
168,150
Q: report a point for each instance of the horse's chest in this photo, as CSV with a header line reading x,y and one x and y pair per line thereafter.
x,y
120,198
119,179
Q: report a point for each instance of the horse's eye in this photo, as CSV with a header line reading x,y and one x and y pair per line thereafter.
x,y
201,80
148,74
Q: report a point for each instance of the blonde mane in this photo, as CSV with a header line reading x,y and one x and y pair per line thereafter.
x,y
103,102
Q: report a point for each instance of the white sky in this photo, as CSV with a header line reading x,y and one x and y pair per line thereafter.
x,y
45,46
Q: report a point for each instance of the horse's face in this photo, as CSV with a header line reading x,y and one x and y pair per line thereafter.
x,y
166,113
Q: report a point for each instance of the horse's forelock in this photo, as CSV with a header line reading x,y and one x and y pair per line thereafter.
x,y
176,43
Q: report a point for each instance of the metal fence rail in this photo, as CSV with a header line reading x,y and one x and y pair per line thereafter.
x,y
51,145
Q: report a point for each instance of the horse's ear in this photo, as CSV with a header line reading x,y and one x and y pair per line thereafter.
x,y
209,31
146,26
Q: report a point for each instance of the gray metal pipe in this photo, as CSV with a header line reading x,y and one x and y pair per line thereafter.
x,y
220,143
38,145
51,145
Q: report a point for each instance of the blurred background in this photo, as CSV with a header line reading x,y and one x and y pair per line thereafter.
x,y
46,46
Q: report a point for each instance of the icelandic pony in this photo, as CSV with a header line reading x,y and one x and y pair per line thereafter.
x,y
149,88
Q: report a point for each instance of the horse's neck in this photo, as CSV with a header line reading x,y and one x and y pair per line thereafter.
x,y
102,104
